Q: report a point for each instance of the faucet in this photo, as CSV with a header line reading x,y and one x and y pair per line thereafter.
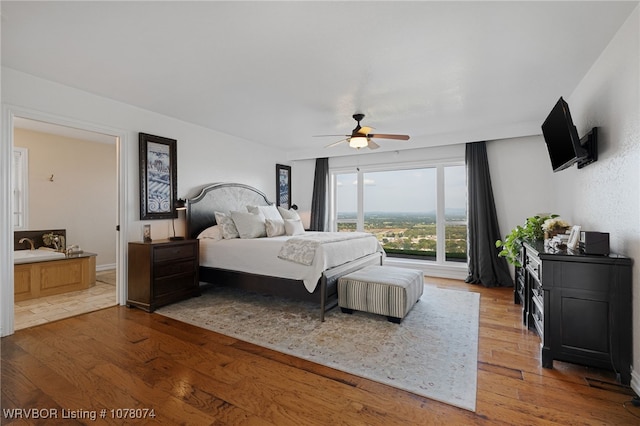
x,y
29,240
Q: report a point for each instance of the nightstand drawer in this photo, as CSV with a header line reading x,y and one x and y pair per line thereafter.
x,y
172,284
167,269
173,252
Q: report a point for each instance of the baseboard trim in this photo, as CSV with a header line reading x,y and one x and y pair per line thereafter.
x,y
100,268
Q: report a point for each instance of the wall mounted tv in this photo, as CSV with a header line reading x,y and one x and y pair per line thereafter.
x,y
564,146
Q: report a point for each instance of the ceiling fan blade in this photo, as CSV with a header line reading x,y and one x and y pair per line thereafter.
x,y
372,145
324,136
336,143
364,130
384,136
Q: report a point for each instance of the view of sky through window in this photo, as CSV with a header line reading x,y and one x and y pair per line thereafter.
x,y
401,191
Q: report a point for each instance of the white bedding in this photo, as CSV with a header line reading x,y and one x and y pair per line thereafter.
x,y
260,256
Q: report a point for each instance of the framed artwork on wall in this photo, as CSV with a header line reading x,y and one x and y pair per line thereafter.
x,y
158,177
283,186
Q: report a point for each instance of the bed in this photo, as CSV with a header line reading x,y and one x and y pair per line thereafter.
x,y
260,264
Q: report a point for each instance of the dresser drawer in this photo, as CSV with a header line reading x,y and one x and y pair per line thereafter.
x,y
537,314
173,252
534,267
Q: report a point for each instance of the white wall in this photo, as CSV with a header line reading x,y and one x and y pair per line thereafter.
x,y
605,196
302,176
204,155
522,181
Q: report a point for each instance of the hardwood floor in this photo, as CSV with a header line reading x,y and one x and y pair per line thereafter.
x,y
120,358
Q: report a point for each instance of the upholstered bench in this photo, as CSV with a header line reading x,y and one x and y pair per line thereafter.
x,y
383,290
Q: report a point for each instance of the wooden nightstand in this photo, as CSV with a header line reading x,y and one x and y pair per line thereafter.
x,y
162,272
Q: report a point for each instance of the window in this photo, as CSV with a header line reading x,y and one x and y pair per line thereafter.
x,y
20,187
416,213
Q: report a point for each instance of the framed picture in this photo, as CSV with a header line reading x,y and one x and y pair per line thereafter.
x,y
158,177
574,237
146,233
283,186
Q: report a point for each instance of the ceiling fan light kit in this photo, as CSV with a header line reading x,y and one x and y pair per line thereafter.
x,y
361,138
358,142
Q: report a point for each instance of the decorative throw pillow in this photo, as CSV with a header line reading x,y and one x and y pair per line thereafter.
x,y
227,226
288,214
213,232
275,227
269,212
293,227
249,225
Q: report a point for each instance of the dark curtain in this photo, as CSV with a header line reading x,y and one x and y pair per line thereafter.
x,y
319,200
485,267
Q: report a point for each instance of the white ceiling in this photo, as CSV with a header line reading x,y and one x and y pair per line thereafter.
x,y
278,73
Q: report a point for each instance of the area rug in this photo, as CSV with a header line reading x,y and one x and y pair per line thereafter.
x,y
432,353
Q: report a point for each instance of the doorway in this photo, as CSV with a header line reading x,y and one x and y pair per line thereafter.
x,y
109,276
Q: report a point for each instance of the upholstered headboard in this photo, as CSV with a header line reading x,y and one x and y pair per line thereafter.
x,y
220,197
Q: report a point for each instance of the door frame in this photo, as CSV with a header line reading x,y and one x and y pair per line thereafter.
x,y
6,222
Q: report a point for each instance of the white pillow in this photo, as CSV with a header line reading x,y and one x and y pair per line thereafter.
x,y
249,225
293,227
227,226
269,212
288,214
213,232
274,227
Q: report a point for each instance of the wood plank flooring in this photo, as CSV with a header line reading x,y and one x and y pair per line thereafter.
x,y
120,358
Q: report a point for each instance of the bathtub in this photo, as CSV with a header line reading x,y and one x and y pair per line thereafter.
x,y
30,256
38,273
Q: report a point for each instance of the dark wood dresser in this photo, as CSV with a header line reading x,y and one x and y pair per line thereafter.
x,y
580,306
162,272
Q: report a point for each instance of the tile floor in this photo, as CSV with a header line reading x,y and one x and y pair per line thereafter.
x,y
29,313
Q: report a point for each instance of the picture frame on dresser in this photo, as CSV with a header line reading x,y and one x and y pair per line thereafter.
x,y
158,177
574,237
283,186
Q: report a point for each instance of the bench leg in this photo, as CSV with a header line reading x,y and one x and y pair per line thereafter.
x,y
394,320
346,310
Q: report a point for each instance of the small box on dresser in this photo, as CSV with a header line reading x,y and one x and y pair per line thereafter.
x,y
162,272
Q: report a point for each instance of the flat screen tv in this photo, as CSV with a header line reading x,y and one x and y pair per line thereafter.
x,y
562,138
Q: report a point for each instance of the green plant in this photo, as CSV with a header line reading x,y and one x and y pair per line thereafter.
x,y
531,231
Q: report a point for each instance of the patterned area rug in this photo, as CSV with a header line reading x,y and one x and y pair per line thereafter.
x,y
433,352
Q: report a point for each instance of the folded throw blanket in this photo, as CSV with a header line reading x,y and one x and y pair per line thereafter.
x,y
302,249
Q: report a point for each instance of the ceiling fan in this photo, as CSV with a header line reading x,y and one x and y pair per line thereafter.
x,y
361,137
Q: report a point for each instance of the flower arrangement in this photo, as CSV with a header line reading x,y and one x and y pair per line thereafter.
x,y
555,224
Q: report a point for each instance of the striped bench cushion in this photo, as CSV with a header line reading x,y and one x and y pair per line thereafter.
x,y
383,290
